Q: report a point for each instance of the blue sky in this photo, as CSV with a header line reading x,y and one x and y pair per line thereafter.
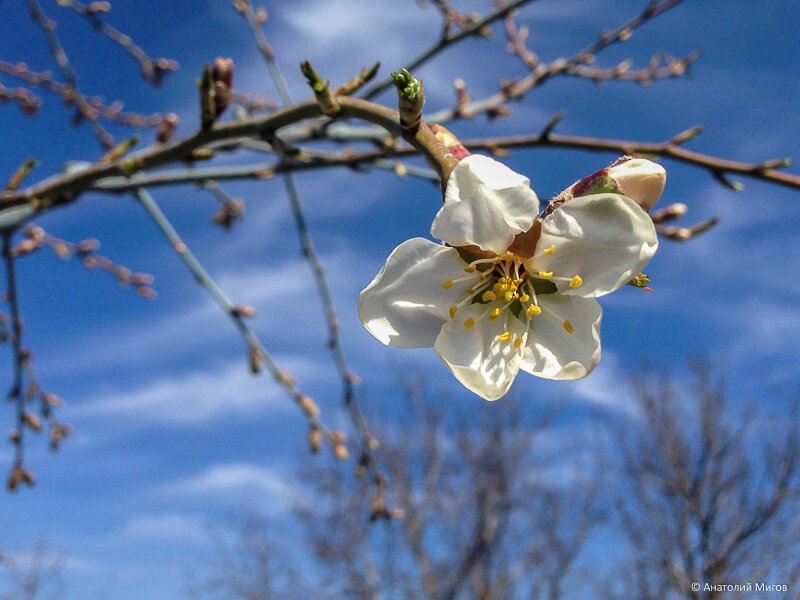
x,y
172,431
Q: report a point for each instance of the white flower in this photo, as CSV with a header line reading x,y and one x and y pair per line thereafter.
x,y
641,180
510,292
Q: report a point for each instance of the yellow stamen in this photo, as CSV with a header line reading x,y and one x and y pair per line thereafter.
x,y
532,310
545,274
470,268
448,284
482,276
550,250
505,337
512,287
509,296
453,311
576,281
518,342
470,291
524,298
518,281
495,312
469,324
488,296
568,326
508,256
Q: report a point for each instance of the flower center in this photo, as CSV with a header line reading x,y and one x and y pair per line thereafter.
x,y
506,288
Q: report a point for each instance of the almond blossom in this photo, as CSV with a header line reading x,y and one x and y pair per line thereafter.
x,y
507,290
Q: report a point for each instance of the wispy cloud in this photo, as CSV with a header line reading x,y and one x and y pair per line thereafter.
x,y
231,482
198,396
170,526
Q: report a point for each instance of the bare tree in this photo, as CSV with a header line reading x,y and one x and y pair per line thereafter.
x,y
473,510
31,575
249,562
709,492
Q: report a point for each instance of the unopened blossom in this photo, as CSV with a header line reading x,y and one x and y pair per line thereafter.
x,y
508,291
640,179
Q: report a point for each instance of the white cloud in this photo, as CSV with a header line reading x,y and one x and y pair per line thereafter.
x,y
608,386
198,396
232,481
166,527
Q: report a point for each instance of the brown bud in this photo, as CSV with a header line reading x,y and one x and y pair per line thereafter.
x,y
142,279
57,434
340,452
314,439
52,400
668,213
27,476
244,310
145,292
222,76
25,247
285,377
338,437
87,246
32,421
378,508
261,15
167,128
308,405
99,7
14,478
14,436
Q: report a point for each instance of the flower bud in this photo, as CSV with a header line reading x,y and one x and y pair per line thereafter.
x,y
340,452
32,421
314,439
411,98
222,76
167,128
641,180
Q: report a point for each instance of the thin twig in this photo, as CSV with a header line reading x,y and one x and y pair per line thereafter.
x,y
256,348
56,49
111,112
760,170
514,90
86,252
310,253
446,41
15,331
153,70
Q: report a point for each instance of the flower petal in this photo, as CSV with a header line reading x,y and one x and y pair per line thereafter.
x,y
604,239
479,360
485,204
552,351
406,305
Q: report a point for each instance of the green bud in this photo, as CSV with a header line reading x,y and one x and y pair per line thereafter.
x,y
411,98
